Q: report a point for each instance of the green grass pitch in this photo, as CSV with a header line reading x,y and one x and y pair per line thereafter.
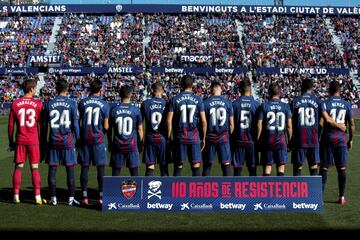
x,y
29,217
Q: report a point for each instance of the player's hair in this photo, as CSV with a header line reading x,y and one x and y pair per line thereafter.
x,y
215,84
274,89
95,86
306,85
62,85
157,87
334,87
28,84
125,91
244,86
187,82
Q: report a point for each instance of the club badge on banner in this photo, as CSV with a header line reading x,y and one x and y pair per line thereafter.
x,y
212,194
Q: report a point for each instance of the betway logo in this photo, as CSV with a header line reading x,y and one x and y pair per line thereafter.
x,y
174,70
224,70
232,206
159,206
312,206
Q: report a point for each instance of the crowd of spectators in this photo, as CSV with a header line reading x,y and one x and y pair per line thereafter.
x,y
348,29
174,36
100,41
21,37
288,41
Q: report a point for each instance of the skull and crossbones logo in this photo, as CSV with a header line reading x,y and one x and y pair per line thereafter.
x,y
154,189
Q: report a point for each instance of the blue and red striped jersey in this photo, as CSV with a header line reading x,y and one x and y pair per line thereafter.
x,y
275,115
245,110
341,111
62,116
307,111
93,111
154,112
218,111
186,108
125,119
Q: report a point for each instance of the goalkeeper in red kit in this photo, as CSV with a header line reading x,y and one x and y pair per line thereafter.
x,y
25,114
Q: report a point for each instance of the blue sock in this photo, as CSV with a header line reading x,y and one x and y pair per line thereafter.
x,y
116,171
84,175
164,170
296,171
100,175
314,172
237,172
70,180
323,173
134,172
52,180
177,171
206,170
149,172
195,171
342,182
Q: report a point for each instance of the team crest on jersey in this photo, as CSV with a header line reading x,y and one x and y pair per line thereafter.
x,y
128,189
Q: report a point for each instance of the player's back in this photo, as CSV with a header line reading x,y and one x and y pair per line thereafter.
x,y
27,113
186,107
307,110
218,111
341,111
245,110
62,114
154,110
93,111
125,118
275,115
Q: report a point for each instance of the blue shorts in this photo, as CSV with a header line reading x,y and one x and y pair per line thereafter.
x,y
334,156
92,154
192,151
120,160
65,157
155,153
222,149
242,155
311,154
278,156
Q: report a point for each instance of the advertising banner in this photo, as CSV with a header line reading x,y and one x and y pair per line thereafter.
x,y
212,194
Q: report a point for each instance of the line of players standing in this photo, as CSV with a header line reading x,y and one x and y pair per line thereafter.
x,y
186,127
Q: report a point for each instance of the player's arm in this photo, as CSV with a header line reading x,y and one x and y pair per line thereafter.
x,y
11,125
204,128
289,129
169,119
333,123
351,132
259,129
140,131
75,122
109,135
321,127
231,124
